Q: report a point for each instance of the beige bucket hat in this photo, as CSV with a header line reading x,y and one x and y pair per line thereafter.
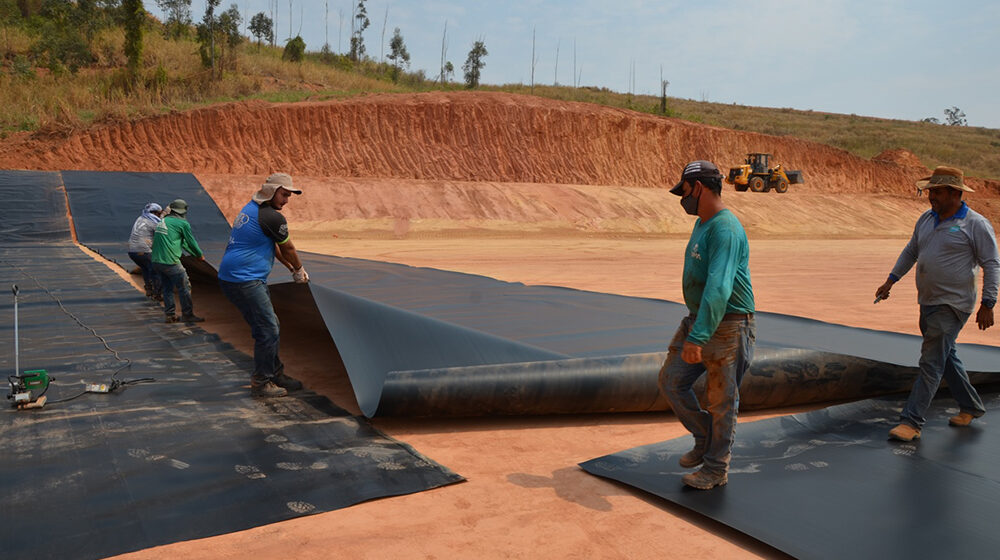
x,y
944,176
275,180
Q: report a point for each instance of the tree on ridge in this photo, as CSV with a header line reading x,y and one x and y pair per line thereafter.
x,y
955,117
178,14
262,28
398,54
474,65
357,39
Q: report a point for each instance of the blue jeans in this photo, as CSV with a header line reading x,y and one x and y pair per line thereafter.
x,y
174,276
940,325
253,299
149,276
725,357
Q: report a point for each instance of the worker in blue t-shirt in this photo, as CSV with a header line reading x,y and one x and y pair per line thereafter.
x,y
260,233
718,336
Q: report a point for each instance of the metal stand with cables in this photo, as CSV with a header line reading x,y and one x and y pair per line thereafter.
x,y
28,388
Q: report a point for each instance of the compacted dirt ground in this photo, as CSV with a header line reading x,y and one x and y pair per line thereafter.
x,y
534,191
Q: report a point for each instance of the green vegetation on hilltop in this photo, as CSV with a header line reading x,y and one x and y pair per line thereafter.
x,y
60,73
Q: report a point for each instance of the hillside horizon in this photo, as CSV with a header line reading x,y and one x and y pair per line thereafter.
x,y
46,100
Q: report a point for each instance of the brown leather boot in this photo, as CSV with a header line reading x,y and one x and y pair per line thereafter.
x,y
961,420
692,458
705,480
904,432
266,389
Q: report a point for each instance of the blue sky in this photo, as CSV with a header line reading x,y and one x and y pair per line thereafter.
x,y
892,58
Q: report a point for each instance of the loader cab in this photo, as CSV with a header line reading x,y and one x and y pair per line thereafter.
x,y
758,162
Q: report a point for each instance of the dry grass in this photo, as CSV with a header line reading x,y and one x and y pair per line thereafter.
x,y
13,41
174,79
976,150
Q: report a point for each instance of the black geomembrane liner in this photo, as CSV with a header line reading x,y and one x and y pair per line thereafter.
x,y
190,455
830,485
411,338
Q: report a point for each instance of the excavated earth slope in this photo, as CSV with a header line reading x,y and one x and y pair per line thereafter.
x,y
476,158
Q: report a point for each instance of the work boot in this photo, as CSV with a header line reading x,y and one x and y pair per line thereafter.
x,y
961,420
704,480
266,389
282,380
692,458
904,432
191,318
171,319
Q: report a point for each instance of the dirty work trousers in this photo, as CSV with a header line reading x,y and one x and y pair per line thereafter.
x,y
940,325
174,276
253,299
150,277
725,358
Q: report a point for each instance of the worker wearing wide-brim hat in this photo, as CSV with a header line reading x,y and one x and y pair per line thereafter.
x,y
950,243
260,233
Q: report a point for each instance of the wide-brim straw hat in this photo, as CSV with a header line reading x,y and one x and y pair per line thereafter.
x,y
944,176
275,180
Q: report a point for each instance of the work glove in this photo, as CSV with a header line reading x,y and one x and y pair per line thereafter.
x,y
300,276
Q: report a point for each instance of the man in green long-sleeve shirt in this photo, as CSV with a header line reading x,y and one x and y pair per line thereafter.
x,y
718,336
171,239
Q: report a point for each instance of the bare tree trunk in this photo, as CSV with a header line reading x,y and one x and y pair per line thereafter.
x,y
211,31
353,55
632,85
381,56
555,80
574,62
663,94
533,60
274,22
444,37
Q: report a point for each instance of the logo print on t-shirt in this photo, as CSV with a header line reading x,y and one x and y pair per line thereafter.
x,y
283,231
695,254
240,221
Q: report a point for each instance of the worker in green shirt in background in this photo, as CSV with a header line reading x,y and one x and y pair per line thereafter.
x,y
718,336
170,239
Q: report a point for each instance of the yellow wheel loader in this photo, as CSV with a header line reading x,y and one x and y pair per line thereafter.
x,y
758,176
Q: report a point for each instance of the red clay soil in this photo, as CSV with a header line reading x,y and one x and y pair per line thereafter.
x,y
522,189
901,157
456,136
